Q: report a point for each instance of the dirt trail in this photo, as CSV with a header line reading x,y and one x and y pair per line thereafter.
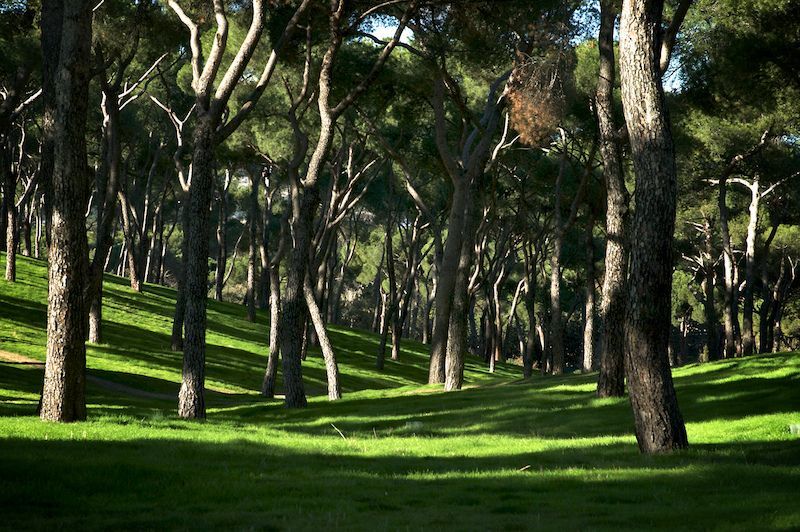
x,y
16,358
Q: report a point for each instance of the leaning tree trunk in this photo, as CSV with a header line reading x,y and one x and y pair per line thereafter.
x,y
270,374
191,401
658,420
331,368
611,381
69,24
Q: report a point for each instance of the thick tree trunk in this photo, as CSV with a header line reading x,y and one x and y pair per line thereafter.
x,y
457,334
658,420
293,310
611,381
66,83
446,283
191,401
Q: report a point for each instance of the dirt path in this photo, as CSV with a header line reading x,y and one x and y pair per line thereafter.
x,y
16,358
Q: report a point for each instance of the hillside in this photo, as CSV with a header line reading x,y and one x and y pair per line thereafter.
x,y
502,454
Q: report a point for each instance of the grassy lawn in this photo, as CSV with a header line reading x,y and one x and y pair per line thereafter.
x,y
501,454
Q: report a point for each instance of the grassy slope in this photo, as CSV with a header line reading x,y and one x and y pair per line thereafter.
x,y
500,455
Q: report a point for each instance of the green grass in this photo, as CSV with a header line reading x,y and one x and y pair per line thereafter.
x,y
502,454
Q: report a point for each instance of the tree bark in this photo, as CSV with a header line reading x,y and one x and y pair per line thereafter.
x,y
709,305
446,283
331,368
611,381
588,324
748,340
254,239
222,240
764,341
731,306
12,238
191,401
457,334
658,420
107,187
270,374
66,82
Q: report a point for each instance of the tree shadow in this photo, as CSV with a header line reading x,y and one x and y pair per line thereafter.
x,y
170,482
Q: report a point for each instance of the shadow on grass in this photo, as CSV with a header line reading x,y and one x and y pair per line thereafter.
x,y
242,484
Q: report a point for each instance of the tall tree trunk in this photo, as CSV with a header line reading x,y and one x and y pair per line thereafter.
x,y
556,325
130,245
12,238
383,331
658,420
393,317
270,374
748,341
191,401
764,341
730,309
180,296
446,283
457,334
254,239
709,306
293,311
107,187
588,324
611,381
222,244
68,26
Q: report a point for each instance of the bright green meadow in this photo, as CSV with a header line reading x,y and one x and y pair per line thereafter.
x,y
503,454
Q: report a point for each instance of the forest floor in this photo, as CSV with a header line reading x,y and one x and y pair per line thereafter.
x,y
392,454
